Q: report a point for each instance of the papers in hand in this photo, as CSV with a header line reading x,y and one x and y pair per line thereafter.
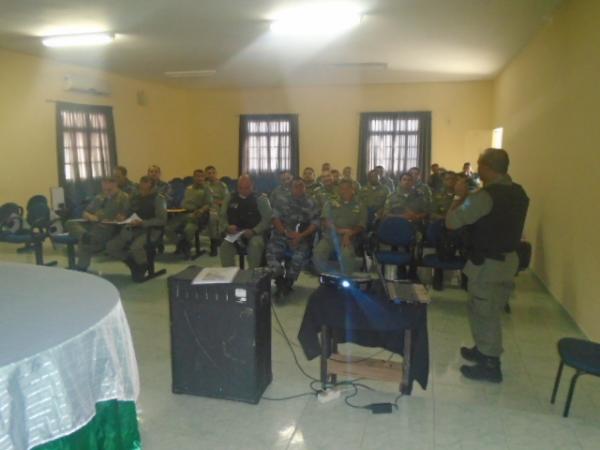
x,y
234,237
216,275
132,218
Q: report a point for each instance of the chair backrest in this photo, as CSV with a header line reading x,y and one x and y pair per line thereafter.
x,y
177,192
37,199
11,217
397,232
433,233
231,183
188,181
38,212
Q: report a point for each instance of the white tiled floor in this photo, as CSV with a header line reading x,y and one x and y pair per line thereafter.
x,y
453,413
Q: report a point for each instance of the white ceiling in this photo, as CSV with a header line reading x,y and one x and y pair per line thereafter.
x,y
419,40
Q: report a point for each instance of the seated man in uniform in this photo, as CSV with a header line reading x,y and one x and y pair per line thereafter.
x,y
295,220
347,175
196,201
343,221
421,187
250,214
384,179
125,184
220,193
335,176
111,205
328,190
281,192
442,199
130,244
373,196
312,186
405,201
325,167
161,186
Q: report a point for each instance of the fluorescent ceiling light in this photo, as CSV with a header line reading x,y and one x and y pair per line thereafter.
x,y
78,40
191,73
316,19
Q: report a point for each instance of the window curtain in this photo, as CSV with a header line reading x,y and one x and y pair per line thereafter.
x,y
268,144
395,140
86,149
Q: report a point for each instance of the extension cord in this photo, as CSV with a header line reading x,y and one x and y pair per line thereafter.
x,y
328,395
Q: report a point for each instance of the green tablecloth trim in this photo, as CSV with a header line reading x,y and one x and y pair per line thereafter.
x,y
114,427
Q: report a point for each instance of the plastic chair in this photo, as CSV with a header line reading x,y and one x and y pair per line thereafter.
x,y
433,238
581,355
398,233
177,192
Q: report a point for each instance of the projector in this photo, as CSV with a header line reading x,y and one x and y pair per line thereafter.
x,y
361,281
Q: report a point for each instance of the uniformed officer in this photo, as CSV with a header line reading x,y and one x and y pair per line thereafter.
x,y
161,186
335,176
281,192
197,201
373,195
93,234
405,201
295,220
494,216
220,193
442,199
343,221
125,184
421,187
436,178
130,244
325,167
248,213
312,186
328,190
347,175
384,179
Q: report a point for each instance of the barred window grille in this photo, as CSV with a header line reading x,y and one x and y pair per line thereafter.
x,y
268,144
86,134
392,143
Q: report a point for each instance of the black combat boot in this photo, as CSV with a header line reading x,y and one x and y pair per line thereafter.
x,y
486,370
138,271
214,246
472,354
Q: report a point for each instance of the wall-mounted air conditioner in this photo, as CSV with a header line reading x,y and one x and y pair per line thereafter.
x,y
85,85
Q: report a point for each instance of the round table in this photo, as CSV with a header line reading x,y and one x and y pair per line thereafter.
x,y
68,373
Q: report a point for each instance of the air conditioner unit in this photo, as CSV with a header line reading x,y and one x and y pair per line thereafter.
x,y
86,85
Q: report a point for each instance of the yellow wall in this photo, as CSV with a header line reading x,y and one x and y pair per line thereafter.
x,y
156,133
329,119
547,100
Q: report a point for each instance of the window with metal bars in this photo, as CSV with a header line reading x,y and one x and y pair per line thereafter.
x,y
268,143
86,146
397,141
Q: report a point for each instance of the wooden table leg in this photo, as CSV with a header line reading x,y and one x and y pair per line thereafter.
x,y
325,341
405,387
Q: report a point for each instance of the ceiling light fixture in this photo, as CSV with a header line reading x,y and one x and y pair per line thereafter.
x,y
316,19
78,40
191,73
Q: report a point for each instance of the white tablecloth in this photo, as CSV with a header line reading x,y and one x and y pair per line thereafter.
x,y
64,346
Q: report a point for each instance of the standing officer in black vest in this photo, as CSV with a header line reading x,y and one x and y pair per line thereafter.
x,y
130,244
247,213
494,216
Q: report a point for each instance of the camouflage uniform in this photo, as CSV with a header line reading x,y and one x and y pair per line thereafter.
x,y
195,198
425,191
327,194
296,214
93,236
129,187
342,215
313,190
219,193
401,201
132,240
441,202
373,198
388,182
279,195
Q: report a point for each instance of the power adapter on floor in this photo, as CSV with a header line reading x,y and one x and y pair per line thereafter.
x,y
380,408
328,395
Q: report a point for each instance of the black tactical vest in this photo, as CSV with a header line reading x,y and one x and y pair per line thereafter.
x,y
143,206
243,212
500,231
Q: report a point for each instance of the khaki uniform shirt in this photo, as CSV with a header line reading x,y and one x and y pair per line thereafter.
x,y
345,214
107,208
373,196
196,197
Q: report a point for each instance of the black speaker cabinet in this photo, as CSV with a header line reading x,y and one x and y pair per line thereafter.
x,y
221,336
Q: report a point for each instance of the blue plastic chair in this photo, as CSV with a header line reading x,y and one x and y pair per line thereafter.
x,y
581,355
398,233
177,192
433,236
